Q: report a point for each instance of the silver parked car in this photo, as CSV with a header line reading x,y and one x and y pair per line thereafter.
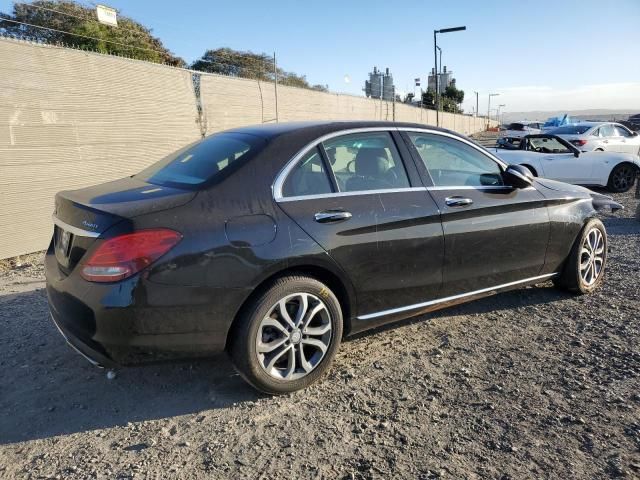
x,y
600,136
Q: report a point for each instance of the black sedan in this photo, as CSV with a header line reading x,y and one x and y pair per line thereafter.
x,y
274,242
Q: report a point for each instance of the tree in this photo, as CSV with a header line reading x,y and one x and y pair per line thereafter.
x,y
454,94
429,99
77,25
259,66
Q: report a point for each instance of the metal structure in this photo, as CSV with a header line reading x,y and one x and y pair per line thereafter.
x,y
380,85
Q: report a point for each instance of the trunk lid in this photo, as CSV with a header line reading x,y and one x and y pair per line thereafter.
x,y
81,216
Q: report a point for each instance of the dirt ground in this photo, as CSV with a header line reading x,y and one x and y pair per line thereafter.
x,y
533,383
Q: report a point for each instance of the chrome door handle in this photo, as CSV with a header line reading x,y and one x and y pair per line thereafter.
x,y
332,216
458,201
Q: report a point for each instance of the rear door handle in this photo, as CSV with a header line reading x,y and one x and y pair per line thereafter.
x,y
332,216
457,201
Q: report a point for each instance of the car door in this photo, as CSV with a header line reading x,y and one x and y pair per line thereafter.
x,y
629,142
609,138
357,198
494,234
558,161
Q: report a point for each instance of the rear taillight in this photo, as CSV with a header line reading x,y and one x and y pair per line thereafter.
x,y
120,257
579,143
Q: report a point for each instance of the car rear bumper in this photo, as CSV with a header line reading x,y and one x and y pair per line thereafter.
x,y
135,320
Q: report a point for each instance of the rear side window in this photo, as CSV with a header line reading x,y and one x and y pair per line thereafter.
x,y
572,130
607,131
309,177
202,161
366,161
452,163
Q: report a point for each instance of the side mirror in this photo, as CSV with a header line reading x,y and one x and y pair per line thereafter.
x,y
518,176
576,153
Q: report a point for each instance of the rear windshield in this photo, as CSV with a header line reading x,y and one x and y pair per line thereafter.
x,y
202,162
516,126
573,129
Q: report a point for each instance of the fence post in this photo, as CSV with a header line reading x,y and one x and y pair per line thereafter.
x,y
275,73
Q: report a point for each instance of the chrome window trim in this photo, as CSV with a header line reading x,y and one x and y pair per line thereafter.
x,y
417,306
276,187
350,194
477,187
479,148
75,230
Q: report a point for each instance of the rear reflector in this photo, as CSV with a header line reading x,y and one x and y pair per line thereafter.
x,y
120,257
579,143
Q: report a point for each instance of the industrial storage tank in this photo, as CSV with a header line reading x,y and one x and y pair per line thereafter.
x,y
375,79
388,88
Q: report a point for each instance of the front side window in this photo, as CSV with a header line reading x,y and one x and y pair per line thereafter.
x,y
452,163
309,177
622,132
546,145
366,161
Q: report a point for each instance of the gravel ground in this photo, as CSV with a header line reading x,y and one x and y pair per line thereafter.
x,y
533,383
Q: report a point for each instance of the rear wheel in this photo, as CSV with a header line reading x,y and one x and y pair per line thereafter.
x,y
621,178
583,271
287,337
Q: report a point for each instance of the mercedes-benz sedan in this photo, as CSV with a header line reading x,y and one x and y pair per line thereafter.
x,y
274,242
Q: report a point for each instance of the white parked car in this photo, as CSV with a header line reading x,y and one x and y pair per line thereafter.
x,y
520,129
600,136
552,157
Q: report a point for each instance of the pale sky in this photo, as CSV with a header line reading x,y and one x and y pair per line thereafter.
x,y
541,55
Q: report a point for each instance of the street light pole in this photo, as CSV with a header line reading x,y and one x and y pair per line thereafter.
x,y
489,109
477,110
435,62
498,113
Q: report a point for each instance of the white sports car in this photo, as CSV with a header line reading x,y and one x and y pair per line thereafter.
x,y
552,157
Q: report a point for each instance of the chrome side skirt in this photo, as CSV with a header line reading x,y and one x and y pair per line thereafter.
x,y
453,298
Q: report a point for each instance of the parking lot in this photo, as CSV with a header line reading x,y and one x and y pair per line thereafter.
x,y
533,383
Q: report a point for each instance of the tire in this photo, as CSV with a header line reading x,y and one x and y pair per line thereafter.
x,y
622,178
278,356
576,275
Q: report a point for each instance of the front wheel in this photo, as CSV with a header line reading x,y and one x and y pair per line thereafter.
x,y
287,337
621,178
583,271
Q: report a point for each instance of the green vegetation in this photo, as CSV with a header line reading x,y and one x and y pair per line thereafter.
x,y
259,66
129,38
450,100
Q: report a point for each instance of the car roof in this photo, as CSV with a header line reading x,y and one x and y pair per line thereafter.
x,y
272,130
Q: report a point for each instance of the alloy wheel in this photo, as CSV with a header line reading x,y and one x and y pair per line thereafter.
x,y
623,178
592,256
294,336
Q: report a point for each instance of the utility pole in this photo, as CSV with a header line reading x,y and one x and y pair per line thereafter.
x,y
477,110
489,109
275,74
435,74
